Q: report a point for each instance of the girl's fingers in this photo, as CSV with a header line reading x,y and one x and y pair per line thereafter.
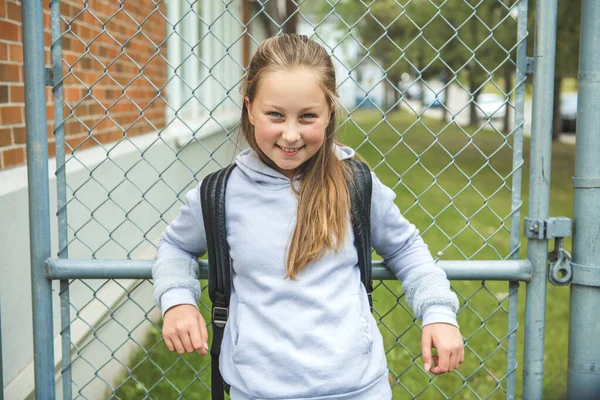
x,y
178,345
197,342
187,342
168,343
436,369
203,332
453,360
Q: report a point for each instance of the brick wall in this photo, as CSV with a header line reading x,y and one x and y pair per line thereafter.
x,y
114,66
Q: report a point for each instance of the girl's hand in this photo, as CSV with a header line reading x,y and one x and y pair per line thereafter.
x,y
184,330
448,341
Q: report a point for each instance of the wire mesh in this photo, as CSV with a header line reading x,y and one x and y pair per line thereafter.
x,y
151,100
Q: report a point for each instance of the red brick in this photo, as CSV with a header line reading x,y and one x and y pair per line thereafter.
x,y
17,94
48,39
16,52
3,94
9,72
2,8
19,135
3,51
9,30
10,115
51,148
13,11
13,157
5,137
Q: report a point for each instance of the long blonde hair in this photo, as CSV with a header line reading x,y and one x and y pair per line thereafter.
x,y
323,204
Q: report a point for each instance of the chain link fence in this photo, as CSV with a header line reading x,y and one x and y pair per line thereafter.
x,y
146,103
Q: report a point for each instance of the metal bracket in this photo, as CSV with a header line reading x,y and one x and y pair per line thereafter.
x,y
49,77
586,183
559,227
560,272
530,65
586,275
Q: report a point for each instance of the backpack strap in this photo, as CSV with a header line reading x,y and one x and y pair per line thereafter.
x,y
212,195
360,198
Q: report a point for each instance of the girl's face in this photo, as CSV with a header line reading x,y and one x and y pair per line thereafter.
x,y
289,114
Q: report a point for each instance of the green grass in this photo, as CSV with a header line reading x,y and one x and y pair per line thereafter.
x,y
437,205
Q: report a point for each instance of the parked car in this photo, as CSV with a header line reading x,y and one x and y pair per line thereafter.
x,y
491,105
414,91
568,111
433,99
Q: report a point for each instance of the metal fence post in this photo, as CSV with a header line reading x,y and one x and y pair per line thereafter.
x,y
39,202
515,235
61,192
539,195
583,378
1,373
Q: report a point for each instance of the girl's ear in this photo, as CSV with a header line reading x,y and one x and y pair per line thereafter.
x,y
249,108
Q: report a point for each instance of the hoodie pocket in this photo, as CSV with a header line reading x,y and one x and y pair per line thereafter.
x,y
363,323
293,352
238,324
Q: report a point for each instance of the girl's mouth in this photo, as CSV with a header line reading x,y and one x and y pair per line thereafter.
x,y
290,151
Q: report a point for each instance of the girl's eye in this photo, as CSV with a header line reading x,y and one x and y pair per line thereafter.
x,y
309,116
274,114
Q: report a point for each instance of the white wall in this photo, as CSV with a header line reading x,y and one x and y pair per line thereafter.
x,y
86,309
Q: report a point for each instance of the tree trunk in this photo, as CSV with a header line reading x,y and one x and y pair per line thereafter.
x,y
446,102
556,120
397,102
473,88
290,25
507,89
420,62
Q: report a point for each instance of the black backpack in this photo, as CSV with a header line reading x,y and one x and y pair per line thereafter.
x,y
212,195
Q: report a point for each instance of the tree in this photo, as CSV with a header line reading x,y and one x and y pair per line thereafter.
x,y
459,39
274,15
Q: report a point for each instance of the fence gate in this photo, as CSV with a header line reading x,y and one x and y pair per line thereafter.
x,y
146,98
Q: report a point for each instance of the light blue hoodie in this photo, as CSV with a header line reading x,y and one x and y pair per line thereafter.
x,y
313,338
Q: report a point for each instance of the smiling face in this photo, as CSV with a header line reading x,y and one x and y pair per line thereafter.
x,y
289,114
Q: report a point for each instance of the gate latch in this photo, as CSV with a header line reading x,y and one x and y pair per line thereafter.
x,y
559,259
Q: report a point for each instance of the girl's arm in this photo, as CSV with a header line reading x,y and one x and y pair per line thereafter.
x,y
425,285
175,271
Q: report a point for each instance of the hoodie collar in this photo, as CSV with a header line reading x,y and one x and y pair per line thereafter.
x,y
249,162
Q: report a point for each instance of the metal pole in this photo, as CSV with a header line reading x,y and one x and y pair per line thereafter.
x,y
583,377
517,202
539,195
1,374
61,194
39,207
174,70
498,270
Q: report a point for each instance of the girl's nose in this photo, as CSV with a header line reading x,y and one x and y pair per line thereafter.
x,y
291,134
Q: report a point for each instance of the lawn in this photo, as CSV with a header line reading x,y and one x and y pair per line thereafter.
x,y
454,184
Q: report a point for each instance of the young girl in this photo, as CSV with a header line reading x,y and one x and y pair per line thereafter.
x,y
299,322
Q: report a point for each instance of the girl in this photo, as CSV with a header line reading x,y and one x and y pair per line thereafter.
x,y
299,322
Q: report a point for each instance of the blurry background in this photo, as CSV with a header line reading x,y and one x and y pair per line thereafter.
x,y
150,104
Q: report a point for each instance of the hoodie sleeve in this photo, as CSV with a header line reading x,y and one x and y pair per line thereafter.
x,y
175,272
425,285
